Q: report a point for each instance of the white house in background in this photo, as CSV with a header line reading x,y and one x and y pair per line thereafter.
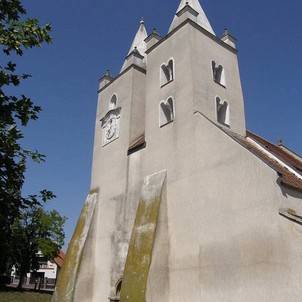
x,y
48,269
47,272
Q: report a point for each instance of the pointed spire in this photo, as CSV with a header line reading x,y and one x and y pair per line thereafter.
x,y
201,18
138,44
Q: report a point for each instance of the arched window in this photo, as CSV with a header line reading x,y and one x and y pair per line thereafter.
x,y
117,293
166,112
171,69
218,73
113,102
118,288
167,72
223,112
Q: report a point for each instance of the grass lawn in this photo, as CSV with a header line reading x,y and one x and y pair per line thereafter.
x,y
15,296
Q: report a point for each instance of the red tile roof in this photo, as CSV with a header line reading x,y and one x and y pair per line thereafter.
x,y
286,177
278,151
291,160
59,260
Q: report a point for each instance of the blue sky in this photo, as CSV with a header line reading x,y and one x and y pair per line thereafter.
x,y
93,35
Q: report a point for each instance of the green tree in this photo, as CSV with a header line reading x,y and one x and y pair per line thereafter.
x,y
36,231
17,34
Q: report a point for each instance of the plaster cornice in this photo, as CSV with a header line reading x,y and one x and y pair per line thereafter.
x,y
198,27
140,69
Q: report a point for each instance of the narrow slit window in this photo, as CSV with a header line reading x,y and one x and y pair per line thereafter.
x,y
218,73
167,112
167,72
171,69
223,112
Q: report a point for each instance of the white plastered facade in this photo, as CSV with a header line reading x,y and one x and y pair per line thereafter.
x,y
220,236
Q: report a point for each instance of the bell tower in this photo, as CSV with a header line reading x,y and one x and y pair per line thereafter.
x,y
119,131
151,124
196,71
146,143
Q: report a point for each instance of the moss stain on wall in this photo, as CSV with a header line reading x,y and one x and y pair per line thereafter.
x,y
142,240
68,275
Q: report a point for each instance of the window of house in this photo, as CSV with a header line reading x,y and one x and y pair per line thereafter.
x,y
113,102
43,264
167,72
218,73
223,112
166,112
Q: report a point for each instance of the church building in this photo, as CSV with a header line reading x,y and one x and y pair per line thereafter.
x,y
185,203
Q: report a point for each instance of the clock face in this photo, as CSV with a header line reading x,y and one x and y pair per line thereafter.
x,y
110,129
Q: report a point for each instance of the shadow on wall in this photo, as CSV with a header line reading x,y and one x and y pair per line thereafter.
x,y
291,207
254,258
287,191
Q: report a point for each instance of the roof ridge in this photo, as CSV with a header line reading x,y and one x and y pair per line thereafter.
x,y
277,151
286,177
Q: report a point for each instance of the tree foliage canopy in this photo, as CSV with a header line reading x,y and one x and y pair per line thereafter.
x,y
36,232
17,34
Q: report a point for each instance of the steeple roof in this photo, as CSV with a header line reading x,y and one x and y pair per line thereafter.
x,y
139,43
202,19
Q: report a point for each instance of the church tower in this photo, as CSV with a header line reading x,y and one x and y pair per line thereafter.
x,y
182,205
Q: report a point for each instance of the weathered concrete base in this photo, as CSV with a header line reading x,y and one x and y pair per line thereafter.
x,y
68,276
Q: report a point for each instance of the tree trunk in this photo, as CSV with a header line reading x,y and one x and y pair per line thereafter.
x,y
21,281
